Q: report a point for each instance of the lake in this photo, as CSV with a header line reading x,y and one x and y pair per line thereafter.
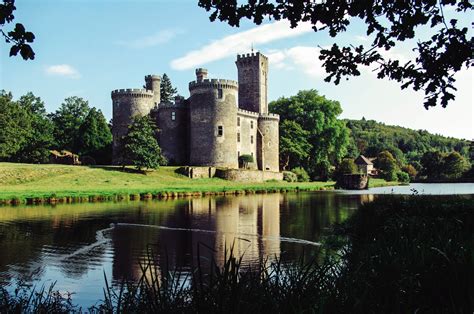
x,y
76,244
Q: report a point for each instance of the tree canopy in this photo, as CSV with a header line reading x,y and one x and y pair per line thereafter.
x,y
19,37
315,138
446,49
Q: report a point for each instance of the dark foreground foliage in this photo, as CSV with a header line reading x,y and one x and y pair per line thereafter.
x,y
395,255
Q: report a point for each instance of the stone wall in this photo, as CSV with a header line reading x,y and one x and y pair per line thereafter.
x,y
172,121
213,123
354,182
247,124
248,175
253,78
269,142
127,103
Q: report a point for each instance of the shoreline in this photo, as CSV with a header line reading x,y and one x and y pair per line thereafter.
x,y
55,184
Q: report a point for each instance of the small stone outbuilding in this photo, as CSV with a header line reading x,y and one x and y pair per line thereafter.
x,y
364,165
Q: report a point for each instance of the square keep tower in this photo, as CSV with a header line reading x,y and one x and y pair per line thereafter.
x,y
253,77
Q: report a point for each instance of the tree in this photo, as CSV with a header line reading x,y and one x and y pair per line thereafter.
x,y
454,166
38,134
346,166
18,37
167,91
140,147
13,126
95,138
294,144
67,121
433,163
444,51
411,171
315,138
387,165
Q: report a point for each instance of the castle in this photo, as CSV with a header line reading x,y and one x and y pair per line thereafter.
x,y
220,121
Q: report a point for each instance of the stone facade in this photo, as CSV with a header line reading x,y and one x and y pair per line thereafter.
x,y
211,128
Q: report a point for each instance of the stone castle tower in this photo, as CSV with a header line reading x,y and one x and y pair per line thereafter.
x,y
210,128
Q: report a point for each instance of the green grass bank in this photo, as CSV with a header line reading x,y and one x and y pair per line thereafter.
x,y
29,183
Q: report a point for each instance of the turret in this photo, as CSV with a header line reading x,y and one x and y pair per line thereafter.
x,y
213,123
201,74
153,82
253,77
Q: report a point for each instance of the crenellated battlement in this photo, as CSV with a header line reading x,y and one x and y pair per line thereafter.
x,y
134,92
250,57
243,112
214,83
269,116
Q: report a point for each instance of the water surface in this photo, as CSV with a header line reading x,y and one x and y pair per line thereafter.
x,y
77,244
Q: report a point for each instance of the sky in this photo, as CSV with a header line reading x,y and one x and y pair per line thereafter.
x,y
87,48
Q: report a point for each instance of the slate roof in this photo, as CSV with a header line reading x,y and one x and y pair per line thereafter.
x,y
362,160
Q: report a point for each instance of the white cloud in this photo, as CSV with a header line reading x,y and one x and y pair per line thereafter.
x,y
239,43
156,39
64,70
302,58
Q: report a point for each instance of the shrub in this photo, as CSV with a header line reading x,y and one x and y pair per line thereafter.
x,y
403,177
301,174
289,176
245,159
412,172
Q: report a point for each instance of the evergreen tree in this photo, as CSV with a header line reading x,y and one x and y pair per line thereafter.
x,y
167,91
139,146
95,138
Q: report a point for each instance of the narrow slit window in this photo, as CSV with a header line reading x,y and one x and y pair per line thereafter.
x,y
173,115
220,130
251,124
238,121
251,139
238,137
219,93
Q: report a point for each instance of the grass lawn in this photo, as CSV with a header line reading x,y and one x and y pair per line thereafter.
x,y
27,180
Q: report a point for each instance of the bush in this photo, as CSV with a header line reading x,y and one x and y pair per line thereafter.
x,y
245,159
403,177
301,174
289,176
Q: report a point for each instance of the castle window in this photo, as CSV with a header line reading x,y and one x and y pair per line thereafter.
x,y
238,137
220,130
173,115
219,93
251,154
251,139
238,121
251,124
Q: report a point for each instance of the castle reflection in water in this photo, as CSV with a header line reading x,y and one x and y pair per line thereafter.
x,y
208,229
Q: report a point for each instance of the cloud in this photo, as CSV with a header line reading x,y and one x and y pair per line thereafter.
x,y
239,43
304,58
156,39
362,38
64,70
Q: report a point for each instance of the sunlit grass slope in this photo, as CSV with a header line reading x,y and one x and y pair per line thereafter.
x,y
26,180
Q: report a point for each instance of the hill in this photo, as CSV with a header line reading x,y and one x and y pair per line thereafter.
x,y
369,137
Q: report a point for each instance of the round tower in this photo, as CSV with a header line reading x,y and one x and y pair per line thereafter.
x,y
153,83
213,123
268,144
127,103
173,120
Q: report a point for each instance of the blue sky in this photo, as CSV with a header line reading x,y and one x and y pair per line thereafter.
x,y
88,48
